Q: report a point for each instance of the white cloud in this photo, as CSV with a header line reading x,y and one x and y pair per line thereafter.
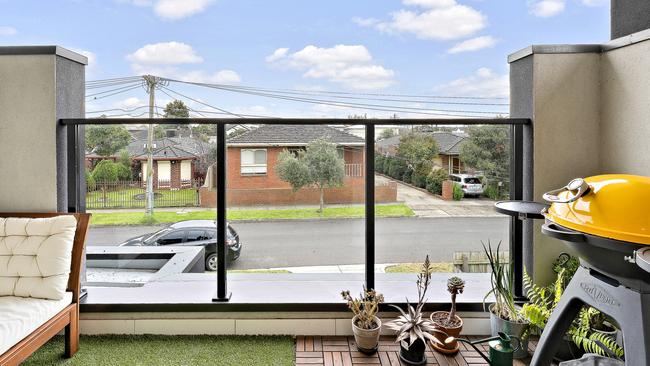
x,y
441,20
163,59
595,2
546,8
365,22
172,9
483,83
431,3
219,77
349,65
473,44
130,103
277,54
177,9
165,53
7,31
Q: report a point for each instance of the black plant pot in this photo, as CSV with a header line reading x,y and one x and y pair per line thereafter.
x,y
568,351
414,355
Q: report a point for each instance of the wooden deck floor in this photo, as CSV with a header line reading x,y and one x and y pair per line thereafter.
x,y
341,351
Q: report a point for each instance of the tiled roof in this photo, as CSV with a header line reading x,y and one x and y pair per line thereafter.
x,y
296,135
170,147
448,143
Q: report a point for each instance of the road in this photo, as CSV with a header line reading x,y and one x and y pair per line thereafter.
x,y
341,241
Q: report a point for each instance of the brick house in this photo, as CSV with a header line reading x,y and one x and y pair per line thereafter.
x,y
448,150
252,156
175,160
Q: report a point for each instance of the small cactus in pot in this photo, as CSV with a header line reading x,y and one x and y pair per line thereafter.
x,y
448,322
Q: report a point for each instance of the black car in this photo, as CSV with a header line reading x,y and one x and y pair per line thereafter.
x,y
193,232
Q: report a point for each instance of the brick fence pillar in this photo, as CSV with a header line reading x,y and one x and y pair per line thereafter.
x,y
447,190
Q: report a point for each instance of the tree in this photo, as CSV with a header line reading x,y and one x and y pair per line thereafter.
x,y
106,140
176,109
105,172
387,133
319,165
418,151
487,150
158,132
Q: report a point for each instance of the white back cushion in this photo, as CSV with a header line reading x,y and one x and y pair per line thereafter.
x,y
35,256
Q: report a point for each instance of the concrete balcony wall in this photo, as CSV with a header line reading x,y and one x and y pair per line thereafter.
x,y
38,85
560,92
590,106
625,109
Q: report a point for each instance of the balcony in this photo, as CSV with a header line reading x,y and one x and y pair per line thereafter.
x,y
281,246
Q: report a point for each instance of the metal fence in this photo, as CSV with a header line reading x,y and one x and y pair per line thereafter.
x,y
354,170
132,194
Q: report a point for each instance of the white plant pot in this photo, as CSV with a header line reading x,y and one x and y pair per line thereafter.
x,y
367,340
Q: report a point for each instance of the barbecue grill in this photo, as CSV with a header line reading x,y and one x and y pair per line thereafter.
x,y
606,220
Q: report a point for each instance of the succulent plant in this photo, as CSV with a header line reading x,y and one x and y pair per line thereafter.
x,y
411,325
455,286
365,307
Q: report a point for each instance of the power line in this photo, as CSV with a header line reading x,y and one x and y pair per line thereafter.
x,y
202,103
344,93
130,85
377,107
309,93
118,92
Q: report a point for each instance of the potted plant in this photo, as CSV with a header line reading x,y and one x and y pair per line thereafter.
x,y
366,326
447,321
505,315
413,328
581,336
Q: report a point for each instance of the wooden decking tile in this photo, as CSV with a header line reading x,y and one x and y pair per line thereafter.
x,y
342,351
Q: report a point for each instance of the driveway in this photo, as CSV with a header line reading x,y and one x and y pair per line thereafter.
x,y
425,204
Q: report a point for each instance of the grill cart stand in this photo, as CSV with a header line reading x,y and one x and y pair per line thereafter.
x,y
624,304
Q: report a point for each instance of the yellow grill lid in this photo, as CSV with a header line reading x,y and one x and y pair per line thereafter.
x,y
616,206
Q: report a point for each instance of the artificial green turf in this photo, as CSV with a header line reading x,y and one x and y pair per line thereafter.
x,y
136,218
141,350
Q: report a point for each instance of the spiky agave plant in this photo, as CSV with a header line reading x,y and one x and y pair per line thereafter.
x,y
411,325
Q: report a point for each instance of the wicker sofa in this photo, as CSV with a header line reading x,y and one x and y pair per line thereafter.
x,y
40,265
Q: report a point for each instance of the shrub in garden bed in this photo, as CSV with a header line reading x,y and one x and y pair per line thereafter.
x,y
435,179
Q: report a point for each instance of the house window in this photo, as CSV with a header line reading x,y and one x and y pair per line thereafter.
x,y
253,161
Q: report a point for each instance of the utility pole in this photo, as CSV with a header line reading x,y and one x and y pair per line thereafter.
x,y
152,82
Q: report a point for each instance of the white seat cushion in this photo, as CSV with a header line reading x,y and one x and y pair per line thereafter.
x,y
35,256
19,316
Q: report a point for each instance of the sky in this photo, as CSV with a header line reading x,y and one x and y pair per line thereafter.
x,y
362,48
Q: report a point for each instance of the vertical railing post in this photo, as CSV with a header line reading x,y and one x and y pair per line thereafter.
x,y
516,193
222,230
370,205
76,170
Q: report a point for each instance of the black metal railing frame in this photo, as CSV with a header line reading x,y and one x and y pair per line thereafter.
x,y
76,179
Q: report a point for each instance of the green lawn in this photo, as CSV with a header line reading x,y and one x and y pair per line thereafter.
x,y
416,267
154,350
138,218
124,198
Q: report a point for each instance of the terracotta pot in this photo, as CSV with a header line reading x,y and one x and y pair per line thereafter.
x,y
442,346
367,340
